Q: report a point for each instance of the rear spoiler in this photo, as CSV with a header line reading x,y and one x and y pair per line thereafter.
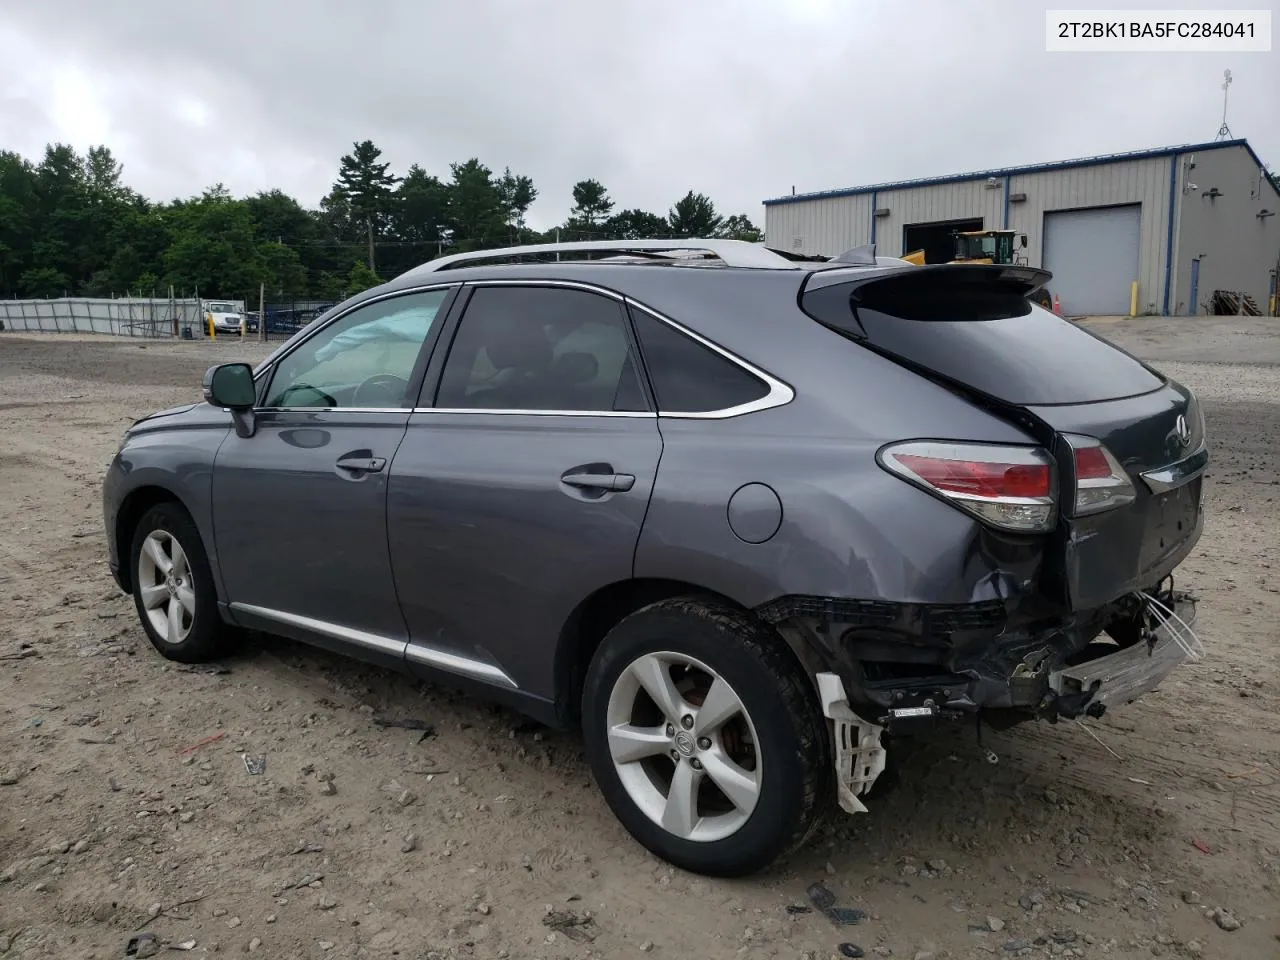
x,y
1001,278
977,291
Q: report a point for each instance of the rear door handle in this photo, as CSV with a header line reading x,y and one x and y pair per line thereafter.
x,y
362,464
618,482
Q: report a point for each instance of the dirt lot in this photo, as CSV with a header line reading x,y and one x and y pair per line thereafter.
x,y
120,813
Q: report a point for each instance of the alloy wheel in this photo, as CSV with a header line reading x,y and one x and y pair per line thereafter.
x,y
684,746
166,586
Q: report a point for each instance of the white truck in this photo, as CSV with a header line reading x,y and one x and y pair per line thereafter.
x,y
225,316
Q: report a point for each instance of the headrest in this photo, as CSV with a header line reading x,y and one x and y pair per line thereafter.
x,y
515,342
576,367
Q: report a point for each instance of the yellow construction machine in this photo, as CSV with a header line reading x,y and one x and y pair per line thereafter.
x,y
987,246
980,246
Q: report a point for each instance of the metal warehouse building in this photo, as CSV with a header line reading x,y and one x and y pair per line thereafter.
x,y
1181,221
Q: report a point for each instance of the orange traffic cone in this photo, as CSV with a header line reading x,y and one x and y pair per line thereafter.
x,y
1057,304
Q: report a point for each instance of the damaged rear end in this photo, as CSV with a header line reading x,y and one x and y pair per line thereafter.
x,y
1086,522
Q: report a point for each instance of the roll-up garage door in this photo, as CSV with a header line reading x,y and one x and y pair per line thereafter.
x,y
1093,255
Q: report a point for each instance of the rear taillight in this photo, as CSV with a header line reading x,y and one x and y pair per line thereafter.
x,y
1013,488
1101,483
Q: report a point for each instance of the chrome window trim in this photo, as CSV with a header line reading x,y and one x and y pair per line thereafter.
x,y
631,414
779,395
405,410
539,282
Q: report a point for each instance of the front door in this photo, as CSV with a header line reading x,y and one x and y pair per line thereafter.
x,y
299,508
524,489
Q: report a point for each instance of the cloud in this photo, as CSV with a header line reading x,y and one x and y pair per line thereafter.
x,y
740,99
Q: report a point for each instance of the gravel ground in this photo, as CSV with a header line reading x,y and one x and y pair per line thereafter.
x,y
125,806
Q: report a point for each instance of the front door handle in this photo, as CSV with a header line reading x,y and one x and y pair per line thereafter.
x,y
616,482
362,464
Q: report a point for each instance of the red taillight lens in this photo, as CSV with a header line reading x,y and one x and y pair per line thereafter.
x,y
1101,483
1014,488
1091,464
981,479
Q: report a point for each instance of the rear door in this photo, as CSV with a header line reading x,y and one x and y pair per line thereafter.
x,y
522,483
972,328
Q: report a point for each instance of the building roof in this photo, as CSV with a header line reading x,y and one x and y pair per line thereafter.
x,y
1011,171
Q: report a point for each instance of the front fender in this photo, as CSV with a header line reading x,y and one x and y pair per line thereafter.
x,y
164,458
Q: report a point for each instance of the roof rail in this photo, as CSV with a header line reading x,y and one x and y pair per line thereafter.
x,y
731,253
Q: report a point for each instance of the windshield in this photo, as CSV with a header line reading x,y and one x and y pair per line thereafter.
x,y
974,248
221,308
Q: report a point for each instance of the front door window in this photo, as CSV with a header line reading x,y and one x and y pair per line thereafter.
x,y
364,360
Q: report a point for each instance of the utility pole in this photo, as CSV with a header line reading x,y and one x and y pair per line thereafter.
x,y
369,224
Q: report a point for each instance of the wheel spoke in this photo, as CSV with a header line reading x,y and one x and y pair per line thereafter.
x,y
721,704
157,555
154,595
630,743
181,569
737,784
187,597
681,813
174,632
655,676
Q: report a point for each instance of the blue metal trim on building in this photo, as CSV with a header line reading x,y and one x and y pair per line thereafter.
x,y
1006,203
1168,243
1014,171
873,216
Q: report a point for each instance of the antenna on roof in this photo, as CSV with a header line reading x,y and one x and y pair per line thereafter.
x,y
863,256
1224,132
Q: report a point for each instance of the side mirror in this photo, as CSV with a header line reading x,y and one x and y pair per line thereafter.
x,y
230,385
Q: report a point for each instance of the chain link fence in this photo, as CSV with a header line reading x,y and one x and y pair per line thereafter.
x,y
154,318
286,318
122,317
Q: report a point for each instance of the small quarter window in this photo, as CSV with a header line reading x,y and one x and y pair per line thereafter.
x,y
688,377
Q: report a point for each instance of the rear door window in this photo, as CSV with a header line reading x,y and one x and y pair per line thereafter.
x,y
542,349
689,377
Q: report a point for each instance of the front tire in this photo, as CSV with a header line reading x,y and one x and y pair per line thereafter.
x,y
173,587
705,737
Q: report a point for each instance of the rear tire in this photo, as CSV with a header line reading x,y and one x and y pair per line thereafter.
x,y
173,587
722,768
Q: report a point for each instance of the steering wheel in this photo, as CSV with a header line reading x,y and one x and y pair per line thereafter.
x,y
328,401
384,386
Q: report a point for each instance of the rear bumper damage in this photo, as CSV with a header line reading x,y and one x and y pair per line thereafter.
x,y
1117,679
909,671
1060,672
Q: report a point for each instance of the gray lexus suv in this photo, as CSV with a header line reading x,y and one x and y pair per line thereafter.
x,y
745,519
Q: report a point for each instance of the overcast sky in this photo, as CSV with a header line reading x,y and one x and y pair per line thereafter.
x,y
739,99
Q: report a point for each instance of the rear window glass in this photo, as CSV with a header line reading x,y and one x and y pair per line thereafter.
x,y
990,339
688,377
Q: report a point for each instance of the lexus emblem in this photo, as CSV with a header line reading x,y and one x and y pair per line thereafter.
x,y
1182,430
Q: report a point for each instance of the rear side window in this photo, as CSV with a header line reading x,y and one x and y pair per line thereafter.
x,y
688,377
541,348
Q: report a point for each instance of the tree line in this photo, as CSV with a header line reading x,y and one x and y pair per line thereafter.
x,y
69,226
